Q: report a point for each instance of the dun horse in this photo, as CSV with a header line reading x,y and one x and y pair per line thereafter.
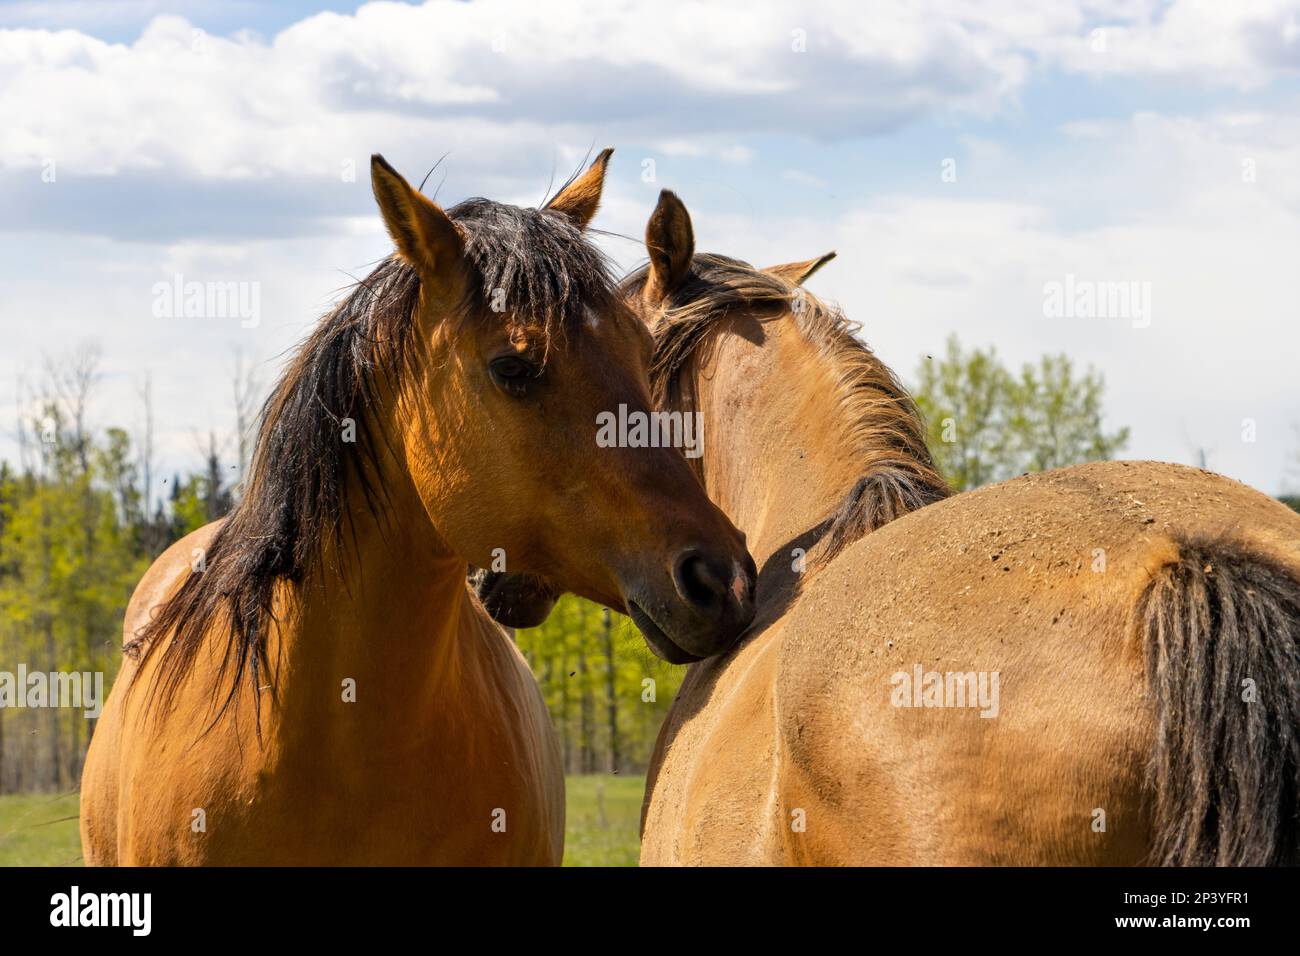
x,y
1095,665
309,681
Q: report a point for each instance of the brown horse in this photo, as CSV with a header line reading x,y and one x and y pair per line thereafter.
x,y
1096,665
309,681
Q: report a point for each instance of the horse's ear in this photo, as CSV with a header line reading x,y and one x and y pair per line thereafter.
x,y
797,273
423,234
580,199
670,241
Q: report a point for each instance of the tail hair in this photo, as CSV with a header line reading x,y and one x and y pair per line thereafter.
x,y
1221,630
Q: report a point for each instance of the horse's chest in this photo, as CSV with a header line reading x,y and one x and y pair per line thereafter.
x,y
717,784
357,811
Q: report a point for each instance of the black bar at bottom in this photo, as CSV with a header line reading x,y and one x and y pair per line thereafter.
x,y
265,905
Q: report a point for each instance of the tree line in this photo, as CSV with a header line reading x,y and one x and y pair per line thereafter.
x,y
607,693
78,527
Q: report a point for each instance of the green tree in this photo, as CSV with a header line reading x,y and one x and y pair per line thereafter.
x,y
606,692
1056,417
189,505
963,397
986,425
74,541
68,561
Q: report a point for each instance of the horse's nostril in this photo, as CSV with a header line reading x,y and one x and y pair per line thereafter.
x,y
696,582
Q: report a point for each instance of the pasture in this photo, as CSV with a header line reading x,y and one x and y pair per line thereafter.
x,y
603,815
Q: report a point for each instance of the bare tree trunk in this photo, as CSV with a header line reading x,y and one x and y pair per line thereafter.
x,y
610,698
213,505
75,752
51,657
24,765
247,388
154,534
2,750
72,379
565,741
55,770
585,709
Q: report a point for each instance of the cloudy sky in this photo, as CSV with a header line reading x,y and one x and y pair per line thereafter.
x,y
960,157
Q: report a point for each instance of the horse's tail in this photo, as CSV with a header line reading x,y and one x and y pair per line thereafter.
x,y
1221,626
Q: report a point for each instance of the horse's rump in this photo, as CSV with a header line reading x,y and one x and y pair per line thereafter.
x,y
1126,609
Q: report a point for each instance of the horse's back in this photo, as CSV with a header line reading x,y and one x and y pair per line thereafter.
x,y
1023,596
101,791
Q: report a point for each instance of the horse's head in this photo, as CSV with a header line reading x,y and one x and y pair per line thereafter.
x,y
522,347
820,434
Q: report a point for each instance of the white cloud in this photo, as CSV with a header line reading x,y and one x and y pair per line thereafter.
x,y
234,107
510,88
1243,44
1217,251
448,73
701,147
217,157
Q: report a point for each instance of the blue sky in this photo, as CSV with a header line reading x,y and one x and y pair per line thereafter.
x,y
1148,142
122,21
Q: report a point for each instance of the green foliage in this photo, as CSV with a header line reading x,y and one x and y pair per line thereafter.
x,y
1056,417
985,424
189,505
40,830
72,547
964,401
607,693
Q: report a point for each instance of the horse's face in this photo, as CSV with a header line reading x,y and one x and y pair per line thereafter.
x,y
501,419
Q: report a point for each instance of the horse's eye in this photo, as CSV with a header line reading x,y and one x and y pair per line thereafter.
x,y
512,374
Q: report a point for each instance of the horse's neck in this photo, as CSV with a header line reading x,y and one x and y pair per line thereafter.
x,y
388,624
778,452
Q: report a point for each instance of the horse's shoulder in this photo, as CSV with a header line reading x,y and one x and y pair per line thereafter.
x,y
165,574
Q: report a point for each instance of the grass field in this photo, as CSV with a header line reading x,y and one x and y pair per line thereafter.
x,y
39,830
604,814
603,823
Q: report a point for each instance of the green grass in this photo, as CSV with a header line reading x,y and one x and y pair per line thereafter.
x,y
604,818
39,830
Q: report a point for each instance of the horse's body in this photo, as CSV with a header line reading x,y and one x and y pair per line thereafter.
x,y
310,681
1127,610
802,716
448,733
